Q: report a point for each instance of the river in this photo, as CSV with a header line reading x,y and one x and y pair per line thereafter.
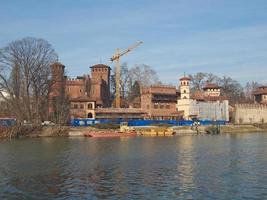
x,y
181,167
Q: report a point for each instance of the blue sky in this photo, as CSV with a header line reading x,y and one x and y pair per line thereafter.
x,y
224,37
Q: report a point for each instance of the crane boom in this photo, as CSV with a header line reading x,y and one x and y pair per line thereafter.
x,y
118,54
116,58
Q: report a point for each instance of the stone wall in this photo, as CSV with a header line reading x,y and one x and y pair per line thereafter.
x,y
214,110
250,113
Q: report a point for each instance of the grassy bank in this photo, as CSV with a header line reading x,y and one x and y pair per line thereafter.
x,y
24,131
64,131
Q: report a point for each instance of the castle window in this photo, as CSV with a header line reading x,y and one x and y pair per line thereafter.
x,y
167,106
81,106
184,91
90,106
75,106
156,106
89,115
161,106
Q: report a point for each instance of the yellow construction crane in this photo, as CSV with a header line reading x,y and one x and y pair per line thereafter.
x,y
116,58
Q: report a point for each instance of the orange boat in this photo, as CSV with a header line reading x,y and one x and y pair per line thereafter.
x,y
110,134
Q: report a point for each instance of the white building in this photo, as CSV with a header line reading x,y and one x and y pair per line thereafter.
x,y
206,105
3,93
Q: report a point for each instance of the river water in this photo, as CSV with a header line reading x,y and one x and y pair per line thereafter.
x,y
180,167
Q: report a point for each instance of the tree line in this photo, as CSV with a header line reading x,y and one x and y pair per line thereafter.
x,y
25,75
231,88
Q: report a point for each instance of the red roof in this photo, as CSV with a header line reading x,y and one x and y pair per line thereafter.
x,y
214,98
185,78
57,64
260,90
100,66
211,86
81,99
199,96
120,110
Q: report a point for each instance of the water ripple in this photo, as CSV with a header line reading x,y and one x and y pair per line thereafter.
x,y
186,167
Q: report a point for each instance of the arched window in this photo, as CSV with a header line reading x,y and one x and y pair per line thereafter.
x,y
184,91
90,106
89,115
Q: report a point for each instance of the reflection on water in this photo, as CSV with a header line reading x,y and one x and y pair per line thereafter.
x,y
182,167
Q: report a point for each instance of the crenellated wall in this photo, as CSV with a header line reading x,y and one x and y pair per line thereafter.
x,y
250,113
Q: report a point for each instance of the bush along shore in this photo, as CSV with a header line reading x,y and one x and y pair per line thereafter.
x,y
23,131
31,131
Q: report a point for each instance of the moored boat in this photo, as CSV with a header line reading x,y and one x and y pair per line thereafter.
x,y
109,134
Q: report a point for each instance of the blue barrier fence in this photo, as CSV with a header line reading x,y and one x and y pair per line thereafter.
x,y
7,121
91,122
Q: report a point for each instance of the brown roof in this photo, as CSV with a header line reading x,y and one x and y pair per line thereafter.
x,y
211,86
214,98
57,64
260,90
119,110
185,78
179,113
82,99
100,66
198,95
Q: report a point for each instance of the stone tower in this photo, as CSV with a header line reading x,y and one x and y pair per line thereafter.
x,y
183,104
185,87
100,85
58,79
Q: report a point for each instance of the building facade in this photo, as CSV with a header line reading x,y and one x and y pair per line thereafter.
x,y
83,90
159,102
82,108
260,95
250,113
207,104
253,113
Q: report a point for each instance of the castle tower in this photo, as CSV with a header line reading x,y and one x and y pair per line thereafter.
x,y
185,87
58,79
211,89
183,104
100,85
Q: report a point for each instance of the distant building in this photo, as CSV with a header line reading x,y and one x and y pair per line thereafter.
x,y
260,95
205,105
83,90
82,107
159,102
119,113
96,87
253,113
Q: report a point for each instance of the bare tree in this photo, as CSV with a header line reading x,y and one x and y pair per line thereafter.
x,y
232,89
25,74
143,75
248,90
198,80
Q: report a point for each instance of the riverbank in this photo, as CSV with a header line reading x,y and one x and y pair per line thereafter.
x,y
67,131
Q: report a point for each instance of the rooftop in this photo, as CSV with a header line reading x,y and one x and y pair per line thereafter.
x,y
82,99
100,66
211,86
185,78
260,90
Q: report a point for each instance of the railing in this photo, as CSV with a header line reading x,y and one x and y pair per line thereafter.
x,y
136,122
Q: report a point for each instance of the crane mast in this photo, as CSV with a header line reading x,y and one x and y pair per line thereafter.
x,y
116,58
